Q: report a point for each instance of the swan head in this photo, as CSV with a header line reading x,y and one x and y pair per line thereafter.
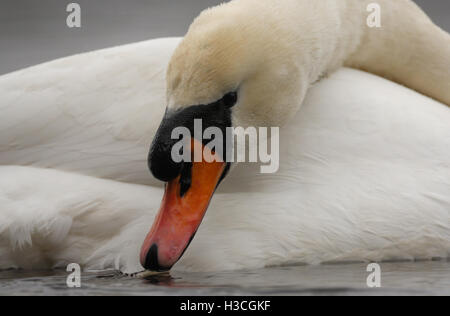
x,y
229,71
226,52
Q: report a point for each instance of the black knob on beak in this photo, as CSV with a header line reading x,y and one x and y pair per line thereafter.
x,y
160,159
217,114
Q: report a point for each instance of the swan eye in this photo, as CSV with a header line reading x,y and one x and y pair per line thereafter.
x,y
229,100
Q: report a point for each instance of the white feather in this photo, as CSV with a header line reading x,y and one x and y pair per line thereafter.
x,y
93,113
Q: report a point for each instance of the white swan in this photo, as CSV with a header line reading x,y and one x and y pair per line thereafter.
x,y
364,172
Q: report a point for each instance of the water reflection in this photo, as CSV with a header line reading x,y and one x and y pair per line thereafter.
x,y
161,280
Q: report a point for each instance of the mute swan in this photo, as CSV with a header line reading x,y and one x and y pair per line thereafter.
x,y
364,177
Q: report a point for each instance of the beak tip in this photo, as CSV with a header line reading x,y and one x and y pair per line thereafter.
x,y
151,261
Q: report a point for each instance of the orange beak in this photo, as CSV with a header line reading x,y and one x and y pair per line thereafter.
x,y
181,213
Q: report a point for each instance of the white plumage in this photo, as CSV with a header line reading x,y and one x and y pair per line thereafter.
x,y
365,172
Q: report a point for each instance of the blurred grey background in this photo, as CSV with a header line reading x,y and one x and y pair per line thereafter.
x,y
34,31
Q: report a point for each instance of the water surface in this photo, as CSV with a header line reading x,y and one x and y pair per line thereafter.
x,y
411,278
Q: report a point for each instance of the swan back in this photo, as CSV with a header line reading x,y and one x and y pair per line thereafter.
x,y
93,113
